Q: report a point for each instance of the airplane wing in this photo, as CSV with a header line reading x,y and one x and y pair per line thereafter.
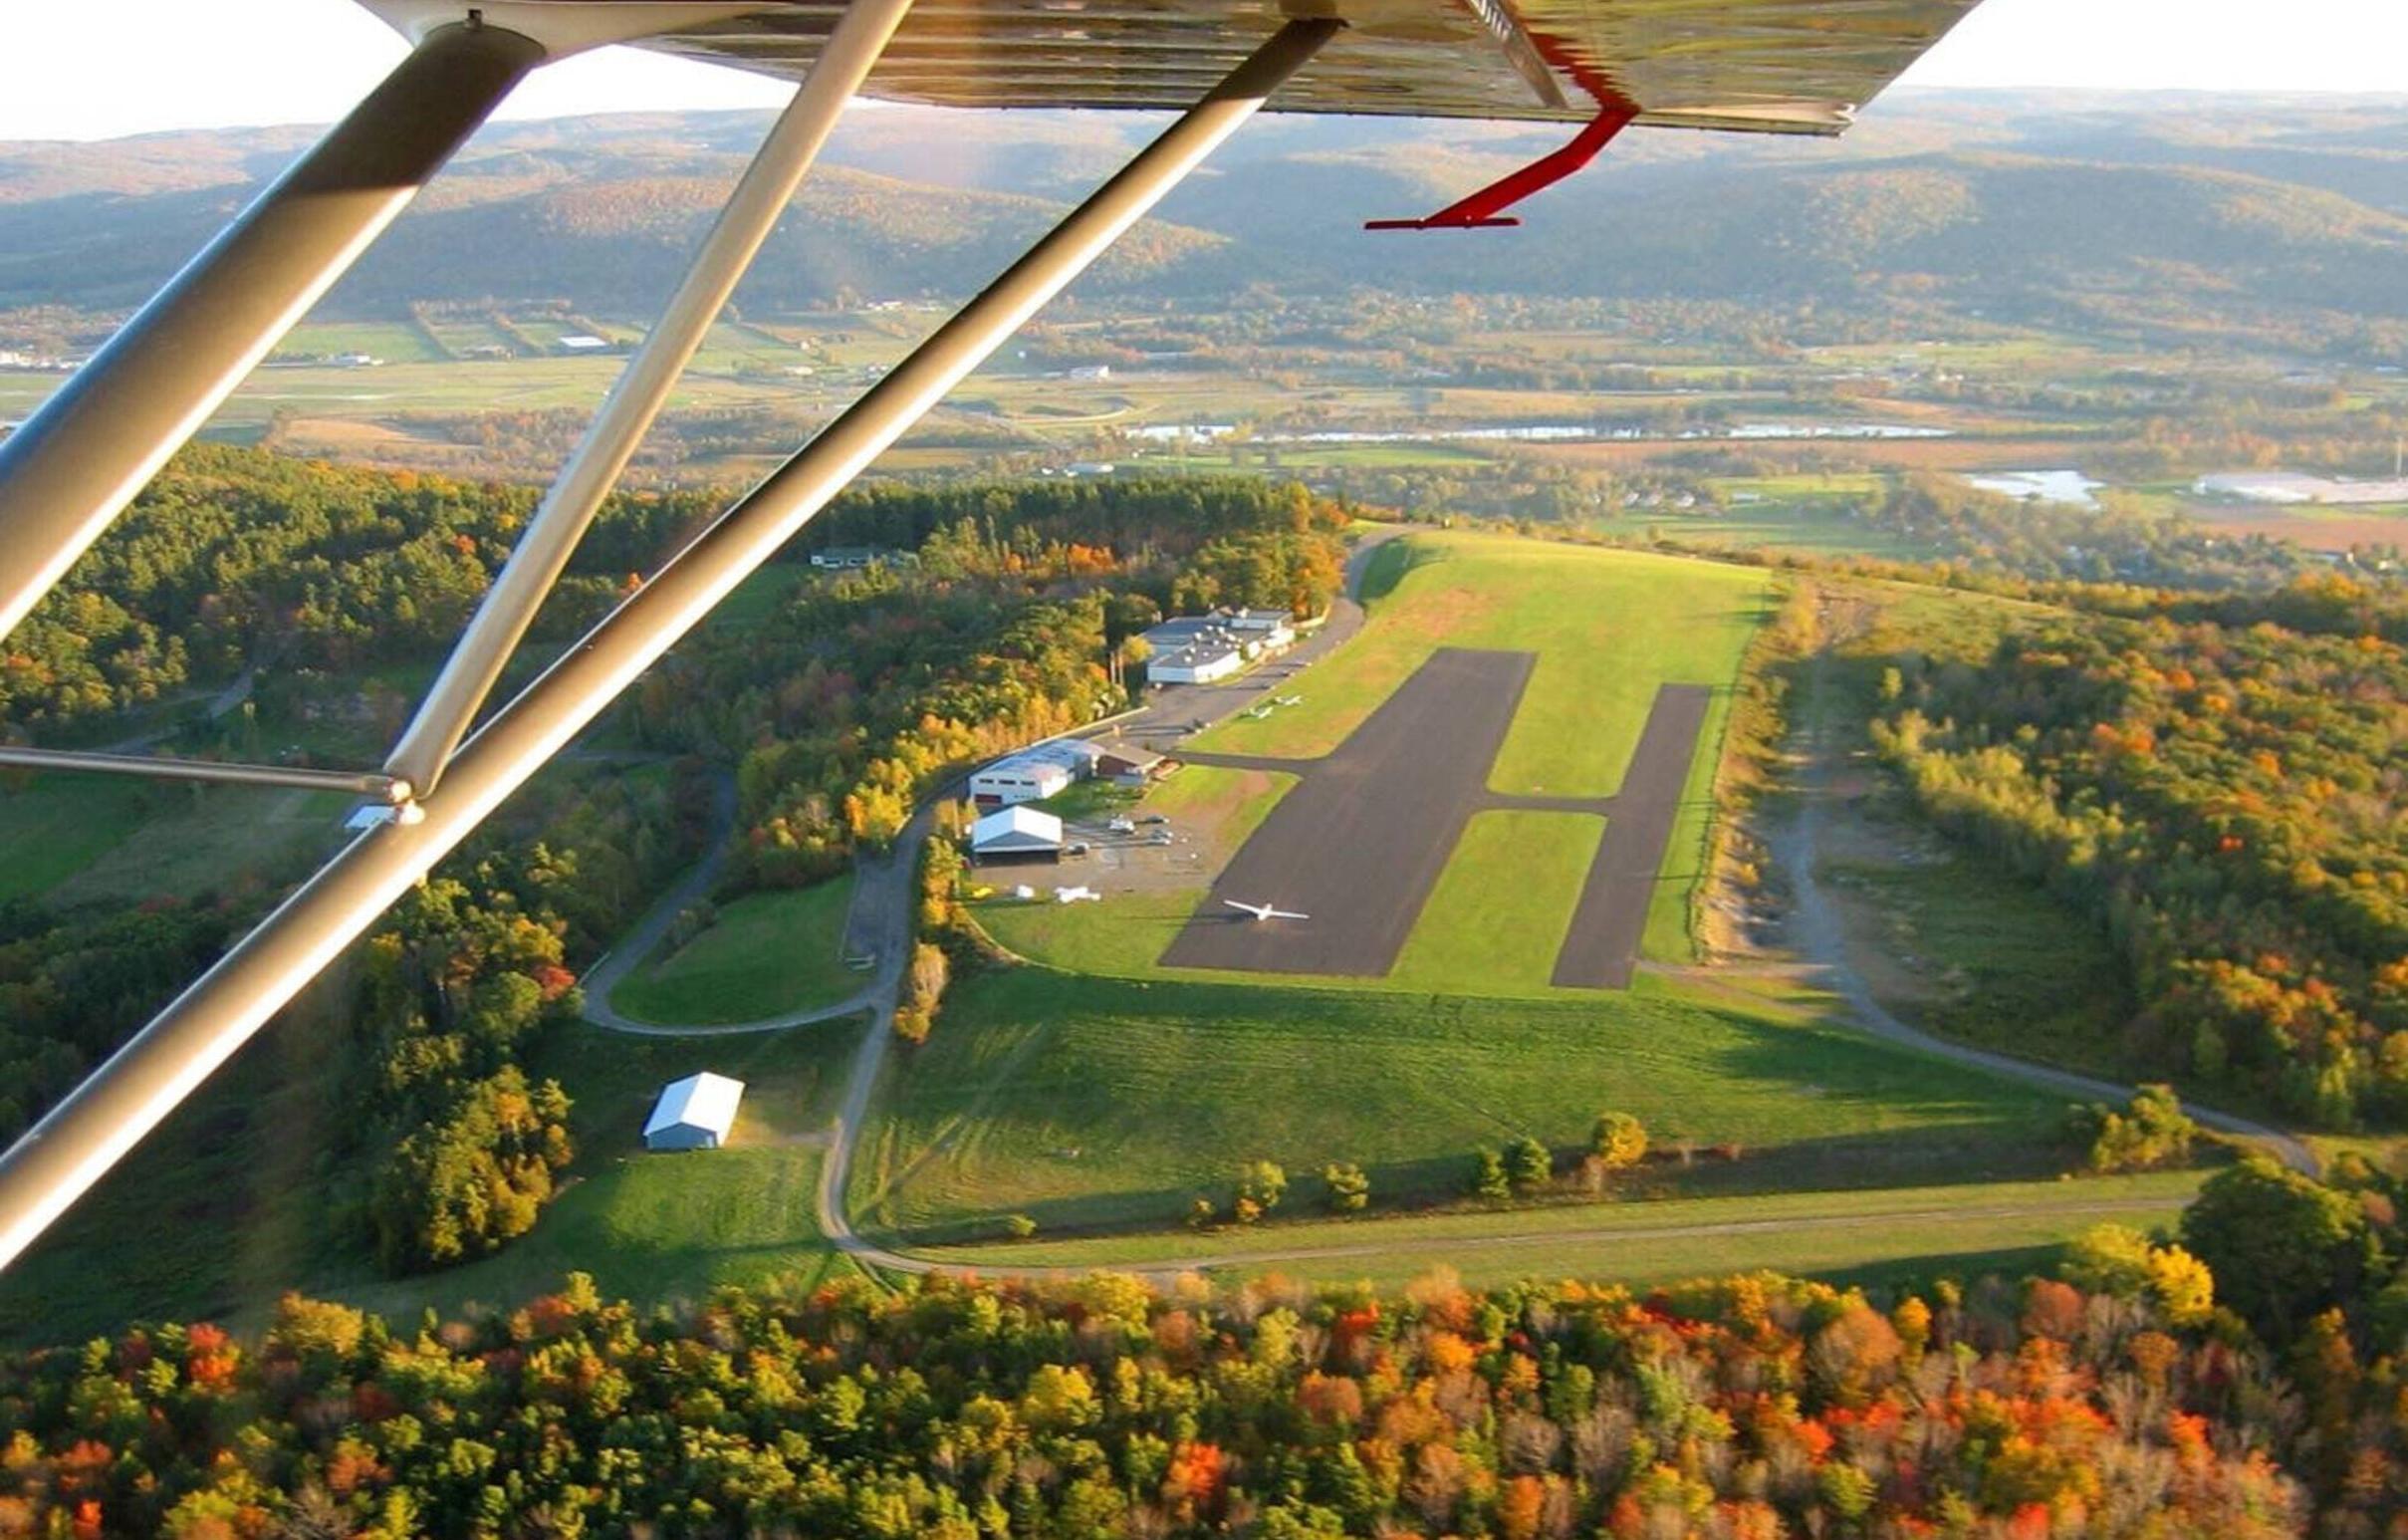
x,y
1763,66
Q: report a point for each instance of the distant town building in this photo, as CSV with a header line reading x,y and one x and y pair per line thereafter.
x,y
1092,372
696,1112
1015,833
585,342
357,361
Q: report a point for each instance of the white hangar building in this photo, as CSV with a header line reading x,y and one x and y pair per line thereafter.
x,y
696,1112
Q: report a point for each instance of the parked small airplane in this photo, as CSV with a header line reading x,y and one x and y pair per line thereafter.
x,y
1264,912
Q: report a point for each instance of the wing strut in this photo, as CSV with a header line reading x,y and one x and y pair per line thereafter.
x,y
79,459
752,212
126,1098
1483,209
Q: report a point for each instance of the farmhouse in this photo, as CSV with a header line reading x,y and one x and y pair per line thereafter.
x,y
696,1112
1015,833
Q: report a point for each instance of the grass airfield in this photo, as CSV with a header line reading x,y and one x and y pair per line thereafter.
x,y
1096,1091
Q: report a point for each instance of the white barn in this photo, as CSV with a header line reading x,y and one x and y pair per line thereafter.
x,y
1015,833
696,1112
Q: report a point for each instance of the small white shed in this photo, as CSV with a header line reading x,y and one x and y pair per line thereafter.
x,y
696,1112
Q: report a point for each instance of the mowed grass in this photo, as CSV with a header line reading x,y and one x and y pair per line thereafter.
x,y
1226,805
1502,907
765,954
1961,1229
1093,1102
655,1227
1608,627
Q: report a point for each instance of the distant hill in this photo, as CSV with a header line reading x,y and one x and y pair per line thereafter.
x,y
2280,214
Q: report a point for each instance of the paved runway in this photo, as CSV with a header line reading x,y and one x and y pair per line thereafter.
x,y
1603,943
1359,844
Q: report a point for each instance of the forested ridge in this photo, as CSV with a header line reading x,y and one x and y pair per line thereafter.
x,y
2284,223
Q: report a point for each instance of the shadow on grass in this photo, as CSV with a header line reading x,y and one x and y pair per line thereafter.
x,y
1390,564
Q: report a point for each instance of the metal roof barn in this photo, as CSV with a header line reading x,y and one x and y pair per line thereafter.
x,y
696,1112
1016,831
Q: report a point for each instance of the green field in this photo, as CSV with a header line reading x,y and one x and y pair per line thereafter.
x,y
1502,907
1965,1229
1608,627
54,826
766,954
1084,1100
2003,965
238,1178
662,1226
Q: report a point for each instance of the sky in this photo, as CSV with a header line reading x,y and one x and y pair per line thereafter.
x,y
220,63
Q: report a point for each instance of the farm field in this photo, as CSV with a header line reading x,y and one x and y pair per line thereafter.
x,y
1960,1230
1082,1101
765,954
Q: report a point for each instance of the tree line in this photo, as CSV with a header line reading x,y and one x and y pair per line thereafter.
x,y
2223,799
1740,1408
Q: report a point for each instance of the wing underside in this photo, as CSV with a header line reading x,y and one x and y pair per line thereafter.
x,y
1767,65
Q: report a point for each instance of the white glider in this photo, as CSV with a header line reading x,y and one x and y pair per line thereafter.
x,y
1262,912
